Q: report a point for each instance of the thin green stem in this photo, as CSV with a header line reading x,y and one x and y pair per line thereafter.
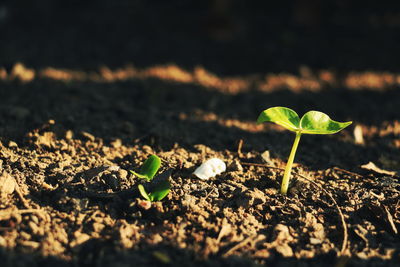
x,y
289,164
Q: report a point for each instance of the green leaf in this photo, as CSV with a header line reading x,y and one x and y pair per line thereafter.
x,y
285,117
315,122
160,191
149,168
143,192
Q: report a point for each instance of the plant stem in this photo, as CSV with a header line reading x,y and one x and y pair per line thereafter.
x,y
289,164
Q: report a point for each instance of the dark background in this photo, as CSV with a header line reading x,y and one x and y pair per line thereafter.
x,y
226,37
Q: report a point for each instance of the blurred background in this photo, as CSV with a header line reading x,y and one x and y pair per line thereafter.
x,y
227,37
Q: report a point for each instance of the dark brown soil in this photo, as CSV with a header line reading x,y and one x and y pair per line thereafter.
x,y
74,122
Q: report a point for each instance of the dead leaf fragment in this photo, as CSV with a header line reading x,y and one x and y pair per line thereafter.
x,y
266,156
372,167
389,219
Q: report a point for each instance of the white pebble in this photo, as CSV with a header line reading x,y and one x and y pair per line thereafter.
x,y
210,168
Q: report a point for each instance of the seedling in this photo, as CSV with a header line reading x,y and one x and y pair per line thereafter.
x,y
313,122
158,193
147,171
149,168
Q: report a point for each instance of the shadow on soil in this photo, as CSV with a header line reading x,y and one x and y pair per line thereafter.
x,y
103,253
161,114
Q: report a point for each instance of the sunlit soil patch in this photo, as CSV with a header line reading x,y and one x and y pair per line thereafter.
x,y
305,80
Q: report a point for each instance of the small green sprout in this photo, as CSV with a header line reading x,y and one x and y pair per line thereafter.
x,y
158,193
147,171
149,168
313,122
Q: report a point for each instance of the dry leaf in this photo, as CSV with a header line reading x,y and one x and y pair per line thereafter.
x,y
372,167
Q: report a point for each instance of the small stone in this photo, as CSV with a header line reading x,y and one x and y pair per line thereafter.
x,y
80,238
147,149
30,244
267,158
358,135
285,250
88,136
156,238
235,166
35,229
46,139
35,219
116,143
98,227
193,187
7,184
259,197
315,241
122,174
113,168
12,144
262,253
69,135
144,204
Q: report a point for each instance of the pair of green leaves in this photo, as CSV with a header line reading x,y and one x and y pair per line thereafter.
x,y
313,122
147,171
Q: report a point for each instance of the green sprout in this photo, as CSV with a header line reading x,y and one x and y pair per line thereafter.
x,y
147,171
158,192
149,168
313,122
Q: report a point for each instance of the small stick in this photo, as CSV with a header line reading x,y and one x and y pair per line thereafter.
x,y
348,172
250,239
239,149
21,197
390,219
344,226
209,193
261,165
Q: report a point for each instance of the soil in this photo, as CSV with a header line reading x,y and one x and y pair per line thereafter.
x,y
74,122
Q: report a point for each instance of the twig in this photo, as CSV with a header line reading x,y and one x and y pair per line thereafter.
x,y
390,219
344,226
250,239
21,197
239,149
209,193
348,172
